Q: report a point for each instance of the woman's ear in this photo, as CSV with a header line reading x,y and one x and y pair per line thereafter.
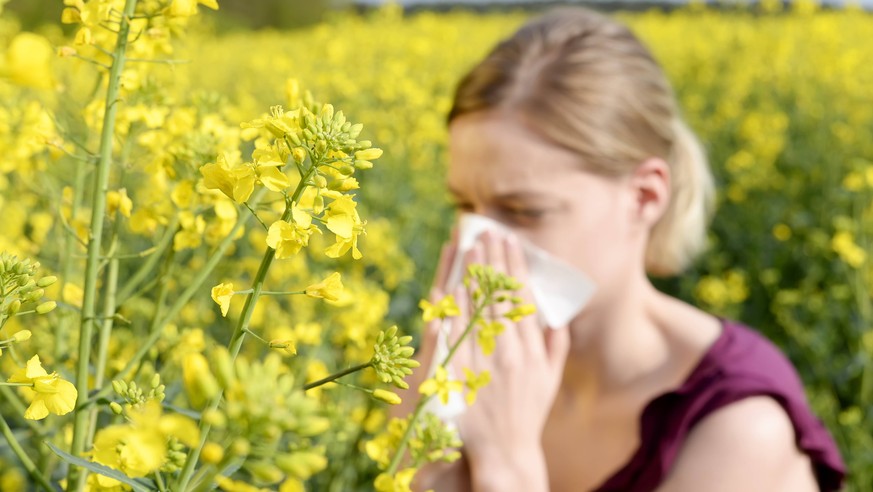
x,y
650,182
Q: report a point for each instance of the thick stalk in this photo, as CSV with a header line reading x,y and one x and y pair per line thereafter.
x,y
22,455
75,476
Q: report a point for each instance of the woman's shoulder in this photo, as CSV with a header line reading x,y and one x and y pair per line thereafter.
x,y
740,359
740,365
743,364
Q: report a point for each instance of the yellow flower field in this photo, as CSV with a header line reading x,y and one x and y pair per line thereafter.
x,y
246,253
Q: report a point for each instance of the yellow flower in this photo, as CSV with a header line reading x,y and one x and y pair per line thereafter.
x,y
287,238
843,243
440,384
475,382
445,307
140,447
187,8
200,384
118,201
287,346
329,288
221,294
28,61
515,314
219,176
49,393
398,483
212,453
342,219
487,332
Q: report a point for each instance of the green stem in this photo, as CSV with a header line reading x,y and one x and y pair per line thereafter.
x,y
143,272
20,408
104,337
272,292
159,480
22,455
63,328
266,228
337,375
153,328
238,336
250,332
75,476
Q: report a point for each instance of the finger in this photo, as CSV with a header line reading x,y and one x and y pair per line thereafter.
x,y
557,342
495,256
529,330
447,259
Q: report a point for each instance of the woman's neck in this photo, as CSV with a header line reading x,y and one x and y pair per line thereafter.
x,y
619,342
637,342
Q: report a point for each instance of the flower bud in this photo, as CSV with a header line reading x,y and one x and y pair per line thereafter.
x,y
294,138
368,154
387,396
46,307
212,453
119,386
116,408
214,418
46,281
313,426
13,308
264,472
21,336
240,447
299,154
363,165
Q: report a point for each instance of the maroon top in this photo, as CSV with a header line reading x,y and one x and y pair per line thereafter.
x,y
739,364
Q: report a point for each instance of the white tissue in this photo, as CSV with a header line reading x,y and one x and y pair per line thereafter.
x,y
560,291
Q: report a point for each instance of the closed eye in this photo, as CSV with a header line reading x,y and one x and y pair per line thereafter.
x,y
462,206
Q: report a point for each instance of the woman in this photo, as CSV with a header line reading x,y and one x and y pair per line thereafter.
x,y
569,134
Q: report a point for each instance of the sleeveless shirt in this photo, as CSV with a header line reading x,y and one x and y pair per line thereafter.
x,y
739,364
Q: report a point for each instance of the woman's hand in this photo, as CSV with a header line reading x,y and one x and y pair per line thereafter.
x,y
502,430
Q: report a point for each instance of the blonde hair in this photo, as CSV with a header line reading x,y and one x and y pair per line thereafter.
x,y
587,84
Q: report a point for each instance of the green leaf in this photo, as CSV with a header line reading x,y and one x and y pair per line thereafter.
x,y
138,484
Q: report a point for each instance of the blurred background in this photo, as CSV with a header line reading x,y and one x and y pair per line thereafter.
x,y
780,94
